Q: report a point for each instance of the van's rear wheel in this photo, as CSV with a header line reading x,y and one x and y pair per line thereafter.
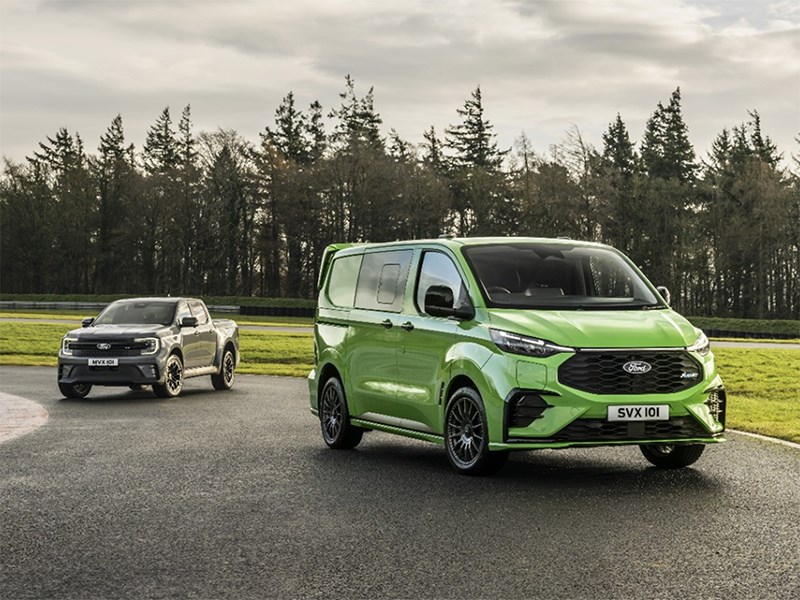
x,y
334,418
467,435
669,456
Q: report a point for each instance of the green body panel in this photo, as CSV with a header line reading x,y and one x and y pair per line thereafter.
x,y
398,379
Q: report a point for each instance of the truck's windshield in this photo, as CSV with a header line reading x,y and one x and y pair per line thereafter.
x,y
125,312
557,276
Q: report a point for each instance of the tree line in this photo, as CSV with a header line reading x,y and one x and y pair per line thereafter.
x,y
211,213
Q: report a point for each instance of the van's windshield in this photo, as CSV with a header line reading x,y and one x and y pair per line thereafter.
x,y
558,276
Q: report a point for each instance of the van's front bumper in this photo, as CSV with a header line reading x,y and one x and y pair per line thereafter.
x,y
539,411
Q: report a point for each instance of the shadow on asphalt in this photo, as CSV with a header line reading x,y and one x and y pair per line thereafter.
x,y
110,395
609,470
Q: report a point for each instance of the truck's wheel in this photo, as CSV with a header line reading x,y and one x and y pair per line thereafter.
x,y
224,379
173,383
75,390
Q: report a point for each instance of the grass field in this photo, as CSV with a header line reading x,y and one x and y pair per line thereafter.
x,y
762,384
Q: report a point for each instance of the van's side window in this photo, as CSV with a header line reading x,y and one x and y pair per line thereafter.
x,y
438,269
382,280
342,282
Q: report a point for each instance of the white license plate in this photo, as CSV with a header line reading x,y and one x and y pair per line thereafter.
x,y
103,362
639,412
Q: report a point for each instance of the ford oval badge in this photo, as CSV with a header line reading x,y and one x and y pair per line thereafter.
x,y
636,367
104,346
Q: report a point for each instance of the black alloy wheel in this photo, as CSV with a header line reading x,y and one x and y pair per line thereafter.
x,y
173,383
75,390
334,418
224,379
467,436
672,456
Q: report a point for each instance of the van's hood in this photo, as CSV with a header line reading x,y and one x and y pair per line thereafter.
x,y
599,329
121,331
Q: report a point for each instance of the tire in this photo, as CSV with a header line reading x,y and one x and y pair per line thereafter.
x,y
75,390
334,418
173,384
666,456
466,435
224,379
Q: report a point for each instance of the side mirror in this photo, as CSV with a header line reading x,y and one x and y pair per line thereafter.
x,y
439,303
188,322
87,321
664,293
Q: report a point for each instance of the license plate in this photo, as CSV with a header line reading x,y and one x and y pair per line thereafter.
x,y
636,412
103,362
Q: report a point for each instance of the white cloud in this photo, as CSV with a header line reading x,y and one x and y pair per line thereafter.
x,y
542,65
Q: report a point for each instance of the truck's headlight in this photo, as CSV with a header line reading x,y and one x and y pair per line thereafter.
x,y
65,345
701,345
521,344
149,345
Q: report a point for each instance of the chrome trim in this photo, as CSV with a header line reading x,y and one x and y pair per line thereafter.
x,y
396,422
675,349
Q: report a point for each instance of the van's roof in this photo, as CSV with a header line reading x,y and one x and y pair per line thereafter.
x,y
457,242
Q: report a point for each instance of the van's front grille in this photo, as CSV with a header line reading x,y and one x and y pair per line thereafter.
x,y
604,371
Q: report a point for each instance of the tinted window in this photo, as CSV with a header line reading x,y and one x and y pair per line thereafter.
x,y
438,269
199,311
557,276
342,282
183,311
137,313
382,280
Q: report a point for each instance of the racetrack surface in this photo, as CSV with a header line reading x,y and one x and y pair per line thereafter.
x,y
233,495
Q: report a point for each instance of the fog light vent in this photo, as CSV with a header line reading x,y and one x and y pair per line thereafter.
x,y
525,408
716,405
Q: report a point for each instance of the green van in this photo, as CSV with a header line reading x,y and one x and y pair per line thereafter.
x,y
489,345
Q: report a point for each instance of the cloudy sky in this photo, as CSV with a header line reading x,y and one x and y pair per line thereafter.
x,y
543,66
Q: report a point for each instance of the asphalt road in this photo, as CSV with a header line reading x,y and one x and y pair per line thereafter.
x,y
233,495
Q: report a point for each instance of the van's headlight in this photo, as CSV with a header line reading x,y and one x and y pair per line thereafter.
x,y
701,345
66,349
522,344
149,345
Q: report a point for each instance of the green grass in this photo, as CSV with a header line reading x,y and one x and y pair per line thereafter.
x,y
74,317
754,326
763,390
762,384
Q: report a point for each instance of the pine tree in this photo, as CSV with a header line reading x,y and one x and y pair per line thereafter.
x,y
473,140
357,120
160,148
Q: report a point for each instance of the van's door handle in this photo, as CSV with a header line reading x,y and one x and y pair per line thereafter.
x,y
387,323
408,326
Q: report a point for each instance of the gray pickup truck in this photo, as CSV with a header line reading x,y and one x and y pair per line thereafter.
x,y
149,341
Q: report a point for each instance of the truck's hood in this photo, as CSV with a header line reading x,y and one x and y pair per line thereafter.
x,y
120,331
599,329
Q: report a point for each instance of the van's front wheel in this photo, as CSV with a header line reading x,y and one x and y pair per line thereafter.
x,y
467,435
334,418
668,456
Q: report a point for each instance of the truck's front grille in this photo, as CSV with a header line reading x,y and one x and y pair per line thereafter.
x,y
604,372
113,347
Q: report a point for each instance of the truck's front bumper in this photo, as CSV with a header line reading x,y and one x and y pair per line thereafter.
x,y
129,371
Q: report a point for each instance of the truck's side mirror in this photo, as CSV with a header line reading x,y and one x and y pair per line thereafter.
x,y
439,301
188,322
664,293
87,321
